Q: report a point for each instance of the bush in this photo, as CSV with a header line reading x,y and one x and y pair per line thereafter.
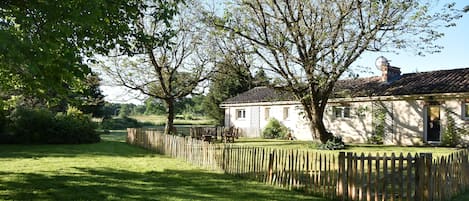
x,y
274,129
452,134
335,143
120,123
32,126
3,121
73,129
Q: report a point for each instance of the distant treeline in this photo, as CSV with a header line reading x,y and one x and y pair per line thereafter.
x,y
187,107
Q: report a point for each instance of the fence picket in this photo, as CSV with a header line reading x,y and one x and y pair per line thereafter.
x,y
350,177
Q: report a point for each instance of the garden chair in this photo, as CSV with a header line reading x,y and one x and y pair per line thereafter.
x,y
230,134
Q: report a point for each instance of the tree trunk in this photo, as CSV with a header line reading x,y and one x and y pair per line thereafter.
x,y
318,128
315,116
169,127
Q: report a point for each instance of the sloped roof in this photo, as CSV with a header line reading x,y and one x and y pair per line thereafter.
x,y
432,82
260,94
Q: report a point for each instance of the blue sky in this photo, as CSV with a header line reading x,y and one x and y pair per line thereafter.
x,y
454,55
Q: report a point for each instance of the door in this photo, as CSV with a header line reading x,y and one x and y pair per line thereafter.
x,y
433,123
254,129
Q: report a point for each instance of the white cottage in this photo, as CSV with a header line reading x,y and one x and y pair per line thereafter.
x,y
407,109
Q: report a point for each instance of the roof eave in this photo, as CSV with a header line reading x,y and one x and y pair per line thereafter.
x,y
458,95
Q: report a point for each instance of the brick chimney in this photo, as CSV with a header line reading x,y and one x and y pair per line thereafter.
x,y
389,73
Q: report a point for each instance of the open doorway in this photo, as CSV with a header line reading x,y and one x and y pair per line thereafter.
x,y
433,123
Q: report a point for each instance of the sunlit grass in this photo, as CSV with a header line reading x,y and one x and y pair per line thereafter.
x,y
357,148
113,170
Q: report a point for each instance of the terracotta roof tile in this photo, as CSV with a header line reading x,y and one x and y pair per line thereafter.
x,y
433,82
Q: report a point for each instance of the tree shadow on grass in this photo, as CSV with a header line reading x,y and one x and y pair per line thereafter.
x,y
112,184
104,148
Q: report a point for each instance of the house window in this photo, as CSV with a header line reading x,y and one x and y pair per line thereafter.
x,y
465,108
286,113
341,111
240,114
267,113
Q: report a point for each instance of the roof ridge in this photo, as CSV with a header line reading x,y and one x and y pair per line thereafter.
x,y
440,70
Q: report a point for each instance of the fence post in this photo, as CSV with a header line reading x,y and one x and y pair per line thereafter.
x,y
271,164
428,190
423,164
342,177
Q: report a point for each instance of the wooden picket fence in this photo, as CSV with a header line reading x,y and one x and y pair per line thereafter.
x,y
343,176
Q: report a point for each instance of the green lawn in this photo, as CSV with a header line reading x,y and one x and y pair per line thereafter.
x,y
113,170
358,148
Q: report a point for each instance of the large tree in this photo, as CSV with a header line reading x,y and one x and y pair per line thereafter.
x,y
235,72
168,70
310,44
43,44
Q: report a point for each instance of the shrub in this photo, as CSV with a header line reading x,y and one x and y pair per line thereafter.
x,y
5,137
42,126
73,129
452,134
274,129
379,121
30,125
335,143
120,123
3,120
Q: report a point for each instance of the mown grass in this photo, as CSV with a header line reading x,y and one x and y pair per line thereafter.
x,y
113,170
357,148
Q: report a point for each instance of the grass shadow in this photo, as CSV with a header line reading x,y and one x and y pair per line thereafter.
x,y
112,144
112,184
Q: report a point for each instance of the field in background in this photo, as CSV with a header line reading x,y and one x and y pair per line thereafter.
x,y
161,119
182,125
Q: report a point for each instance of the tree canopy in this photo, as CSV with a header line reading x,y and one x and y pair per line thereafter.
x,y
168,69
44,44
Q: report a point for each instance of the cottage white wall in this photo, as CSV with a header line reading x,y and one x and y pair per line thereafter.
x,y
294,122
243,123
404,124
406,128
355,128
408,123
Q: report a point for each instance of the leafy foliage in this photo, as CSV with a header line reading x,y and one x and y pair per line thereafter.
x,y
154,106
124,111
452,135
274,129
31,126
120,123
228,82
43,43
335,143
379,118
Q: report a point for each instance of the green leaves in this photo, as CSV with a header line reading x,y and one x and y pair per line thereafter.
x,y
43,43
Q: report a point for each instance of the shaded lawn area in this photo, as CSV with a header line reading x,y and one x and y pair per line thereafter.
x,y
113,170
